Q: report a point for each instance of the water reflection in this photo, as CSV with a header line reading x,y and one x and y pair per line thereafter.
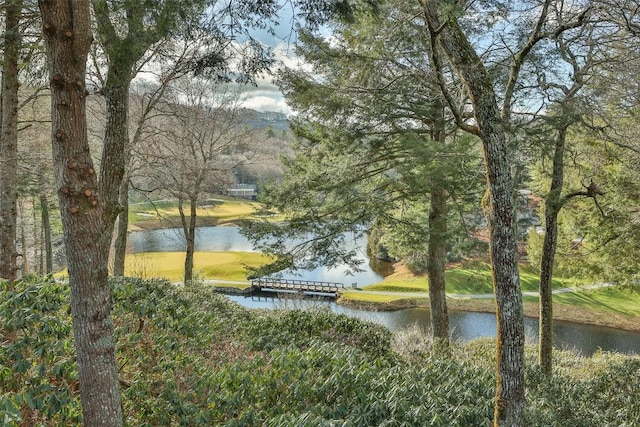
x,y
228,239
466,326
224,239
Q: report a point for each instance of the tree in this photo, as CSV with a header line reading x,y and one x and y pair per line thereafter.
x,y
126,32
166,62
519,32
199,141
586,47
569,108
47,244
625,13
368,105
21,85
87,234
35,177
89,207
597,236
132,33
35,173
9,140
448,37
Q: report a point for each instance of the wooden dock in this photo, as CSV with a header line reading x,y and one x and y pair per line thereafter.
x,y
294,285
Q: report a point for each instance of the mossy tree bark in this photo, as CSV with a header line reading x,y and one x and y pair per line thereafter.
x,y
115,152
120,243
9,141
567,112
449,38
555,201
437,251
84,210
552,208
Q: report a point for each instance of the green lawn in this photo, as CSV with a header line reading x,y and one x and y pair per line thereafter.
x,y
622,301
207,265
374,298
615,307
469,278
412,284
221,209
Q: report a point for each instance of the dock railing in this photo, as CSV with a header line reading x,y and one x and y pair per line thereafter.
x,y
297,285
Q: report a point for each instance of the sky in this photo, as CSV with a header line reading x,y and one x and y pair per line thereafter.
x,y
266,96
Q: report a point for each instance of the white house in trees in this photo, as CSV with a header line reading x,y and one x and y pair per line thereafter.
x,y
246,191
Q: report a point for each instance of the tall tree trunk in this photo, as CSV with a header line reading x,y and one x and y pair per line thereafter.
x,y
438,242
46,231
509,399
9,141
84,210
189,228
120,244
23,242
38,236
123,51
116,148
552,208
436,262
116,138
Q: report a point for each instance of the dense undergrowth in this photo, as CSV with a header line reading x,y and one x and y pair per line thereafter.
x,y
190,357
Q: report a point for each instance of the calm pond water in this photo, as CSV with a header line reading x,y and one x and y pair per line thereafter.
x,y
584,339
229,239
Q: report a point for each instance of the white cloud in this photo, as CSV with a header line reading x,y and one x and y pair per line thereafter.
x,y
266,96
267,103
284,54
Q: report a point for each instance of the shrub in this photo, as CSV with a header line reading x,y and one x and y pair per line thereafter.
x,y
38,373
601,391
189,357
274,329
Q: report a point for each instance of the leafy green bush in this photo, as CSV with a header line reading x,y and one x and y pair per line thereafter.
x,y
604,393
38,374
190,357
275,329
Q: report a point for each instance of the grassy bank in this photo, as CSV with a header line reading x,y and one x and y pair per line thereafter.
x,y
612,307
207,265
215,211
473,277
